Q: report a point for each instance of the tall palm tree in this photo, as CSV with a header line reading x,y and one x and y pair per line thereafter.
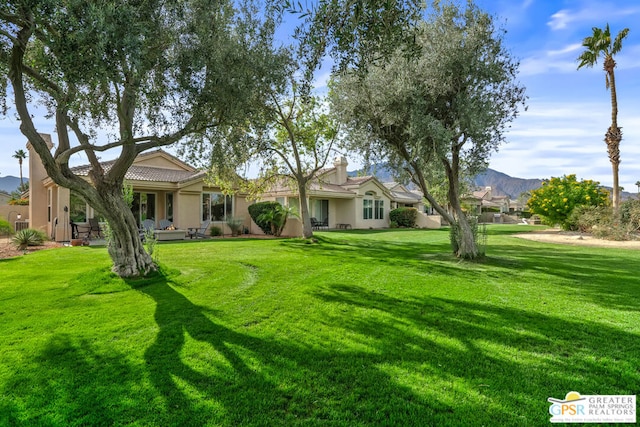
x,y
638,185
20,155
598,44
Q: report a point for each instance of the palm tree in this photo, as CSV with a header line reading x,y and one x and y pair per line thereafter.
x,y
598,44
20,155
638,185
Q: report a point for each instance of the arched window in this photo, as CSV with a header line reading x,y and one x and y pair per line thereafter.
x,y
372,209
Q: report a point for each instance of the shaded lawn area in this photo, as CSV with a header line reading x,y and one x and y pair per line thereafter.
x,y
362,328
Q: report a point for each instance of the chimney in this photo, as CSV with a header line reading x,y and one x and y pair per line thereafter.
x,y
340,164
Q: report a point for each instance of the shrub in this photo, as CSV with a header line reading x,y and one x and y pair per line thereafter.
x,y
404,217
276,218
19,202
215,231
558,197
28,237
235,225
257,210
630,214
5,228
585,218
393,224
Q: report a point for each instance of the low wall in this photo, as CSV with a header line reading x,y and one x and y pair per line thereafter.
x,y
10,213
428,221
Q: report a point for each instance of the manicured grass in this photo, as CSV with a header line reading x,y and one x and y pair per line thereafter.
x,y
361,328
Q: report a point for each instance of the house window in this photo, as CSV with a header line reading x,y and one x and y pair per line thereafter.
x,y
367,209
49,198
216,206
169,207
280,200
320,210
379,209
367,205
143,206
294,204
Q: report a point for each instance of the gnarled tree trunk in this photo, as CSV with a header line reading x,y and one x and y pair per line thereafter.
x,y
124,244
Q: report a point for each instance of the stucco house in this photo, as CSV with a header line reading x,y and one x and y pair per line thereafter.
x,y
164,188
339,200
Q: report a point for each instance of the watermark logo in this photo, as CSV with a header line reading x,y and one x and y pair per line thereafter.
x,y
576,408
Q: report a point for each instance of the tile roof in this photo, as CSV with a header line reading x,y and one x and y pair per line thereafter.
x,y
146,173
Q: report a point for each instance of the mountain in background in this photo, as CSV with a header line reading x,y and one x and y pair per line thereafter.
x,y
504,185
10,183
501,184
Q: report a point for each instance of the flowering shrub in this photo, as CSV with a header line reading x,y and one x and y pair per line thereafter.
x,y
19,202
558,197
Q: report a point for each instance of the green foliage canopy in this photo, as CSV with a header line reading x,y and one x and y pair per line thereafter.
x,y
440,114
558,197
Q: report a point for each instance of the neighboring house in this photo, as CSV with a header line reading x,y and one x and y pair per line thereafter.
x,y
339,200
484,201
164,188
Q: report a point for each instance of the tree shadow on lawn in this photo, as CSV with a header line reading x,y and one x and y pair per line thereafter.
x,y
506,362
70,382
239,378
236,378
606,280
396,361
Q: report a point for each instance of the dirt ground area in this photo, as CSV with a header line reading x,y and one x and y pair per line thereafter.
x,y
8,249
578,239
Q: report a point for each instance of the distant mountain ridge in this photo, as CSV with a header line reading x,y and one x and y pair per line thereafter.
x,y
10,183
504,185
501,184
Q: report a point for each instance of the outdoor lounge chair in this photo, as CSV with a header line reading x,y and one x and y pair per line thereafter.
x,y
148,225
164,224
199,231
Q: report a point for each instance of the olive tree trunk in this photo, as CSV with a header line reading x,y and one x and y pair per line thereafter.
x,y
124,244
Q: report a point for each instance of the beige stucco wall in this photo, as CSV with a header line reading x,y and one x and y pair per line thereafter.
x,y
38,200
428,221
158,161
379,194
10,213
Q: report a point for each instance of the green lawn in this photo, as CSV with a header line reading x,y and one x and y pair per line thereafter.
x,y
362,328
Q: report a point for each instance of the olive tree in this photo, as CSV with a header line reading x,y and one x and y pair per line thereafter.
x,y
146,74
441,112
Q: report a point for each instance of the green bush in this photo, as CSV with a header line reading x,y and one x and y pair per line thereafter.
x,y
404,217
5,228
257,212
215,231
28,237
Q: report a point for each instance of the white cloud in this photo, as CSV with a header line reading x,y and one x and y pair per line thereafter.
x,y
591,12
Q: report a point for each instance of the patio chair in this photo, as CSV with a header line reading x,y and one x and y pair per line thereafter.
x,y
94,228
199,231
148,225
315,224
165,224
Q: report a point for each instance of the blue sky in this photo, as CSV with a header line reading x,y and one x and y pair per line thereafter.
x,y
569,110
